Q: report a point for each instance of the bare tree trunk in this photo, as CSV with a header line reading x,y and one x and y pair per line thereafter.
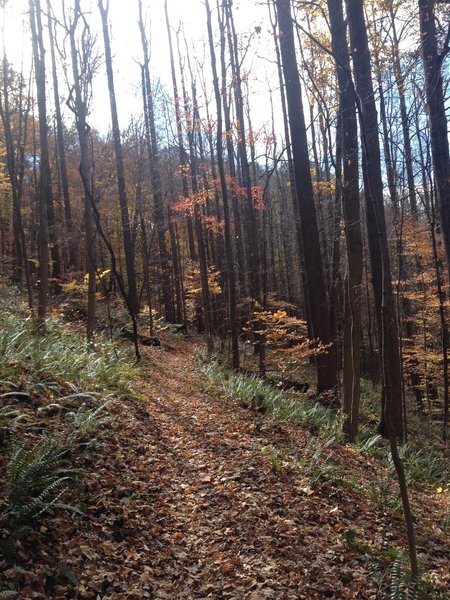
x,y
379,251
432,62
352,220
61,152
400,83
15,159
82,75
153,155
251,234
120,169
231,276
44,187
376,223
318,304
238,237
182,153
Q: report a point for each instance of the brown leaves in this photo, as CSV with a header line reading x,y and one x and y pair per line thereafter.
x,y
182,503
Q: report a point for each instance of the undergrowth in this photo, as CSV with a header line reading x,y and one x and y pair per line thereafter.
x,y
57,360
56,394
253,392
422,455
421,458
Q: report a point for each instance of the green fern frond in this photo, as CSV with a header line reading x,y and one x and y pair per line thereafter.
x,y
8,594
36,478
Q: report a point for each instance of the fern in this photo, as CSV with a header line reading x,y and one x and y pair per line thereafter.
x,y
402,588
10,417
396,580
36,478
87,421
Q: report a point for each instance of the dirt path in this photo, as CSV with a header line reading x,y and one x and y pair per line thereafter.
x,y
220,521
185,502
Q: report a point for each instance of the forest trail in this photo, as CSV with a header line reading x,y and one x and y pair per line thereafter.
x,y
197,509
227,524
188,495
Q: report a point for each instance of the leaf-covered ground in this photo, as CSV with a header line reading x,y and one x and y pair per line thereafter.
x,y
192,496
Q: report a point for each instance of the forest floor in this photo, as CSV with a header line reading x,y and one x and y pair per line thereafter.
x,y
194,496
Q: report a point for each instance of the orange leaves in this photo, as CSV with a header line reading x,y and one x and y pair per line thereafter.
x,y
184,205
234,187
208,187
213,225
285,335
258,197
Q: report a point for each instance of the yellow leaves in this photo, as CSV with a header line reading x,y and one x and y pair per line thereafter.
x,y
193,287
82,286
285,335
324,187
278,315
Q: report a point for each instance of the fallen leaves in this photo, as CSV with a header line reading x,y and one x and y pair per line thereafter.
x,y
183,501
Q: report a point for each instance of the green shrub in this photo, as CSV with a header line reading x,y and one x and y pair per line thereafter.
x,y
86,422
423,464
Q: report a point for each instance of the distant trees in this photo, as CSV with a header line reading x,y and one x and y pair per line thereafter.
x,y
120,169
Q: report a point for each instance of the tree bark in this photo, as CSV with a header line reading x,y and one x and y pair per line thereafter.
x,y
120,169
152,147
376,223
318,304
432,62
352,221
44,185
231,275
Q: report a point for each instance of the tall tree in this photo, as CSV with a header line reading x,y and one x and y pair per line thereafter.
x,y
376,222
380,260
351,211
16,161
318,309
83,66
231,277
44,185
434,90
120,169
61,151
153,155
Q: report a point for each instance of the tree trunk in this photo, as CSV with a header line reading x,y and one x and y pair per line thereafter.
x,y
318,304
352,221
376,223
152,147
120,169
61,152
80,109
44,186
231,275
432,62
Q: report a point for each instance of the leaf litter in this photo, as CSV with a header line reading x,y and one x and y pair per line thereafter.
x,y
183,500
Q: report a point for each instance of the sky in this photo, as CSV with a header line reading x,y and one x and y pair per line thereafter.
x,y
126,47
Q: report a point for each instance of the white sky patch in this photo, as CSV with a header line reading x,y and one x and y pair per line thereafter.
x,y
127,51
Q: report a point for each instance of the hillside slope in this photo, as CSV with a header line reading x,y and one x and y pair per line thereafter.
x,y
190,495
